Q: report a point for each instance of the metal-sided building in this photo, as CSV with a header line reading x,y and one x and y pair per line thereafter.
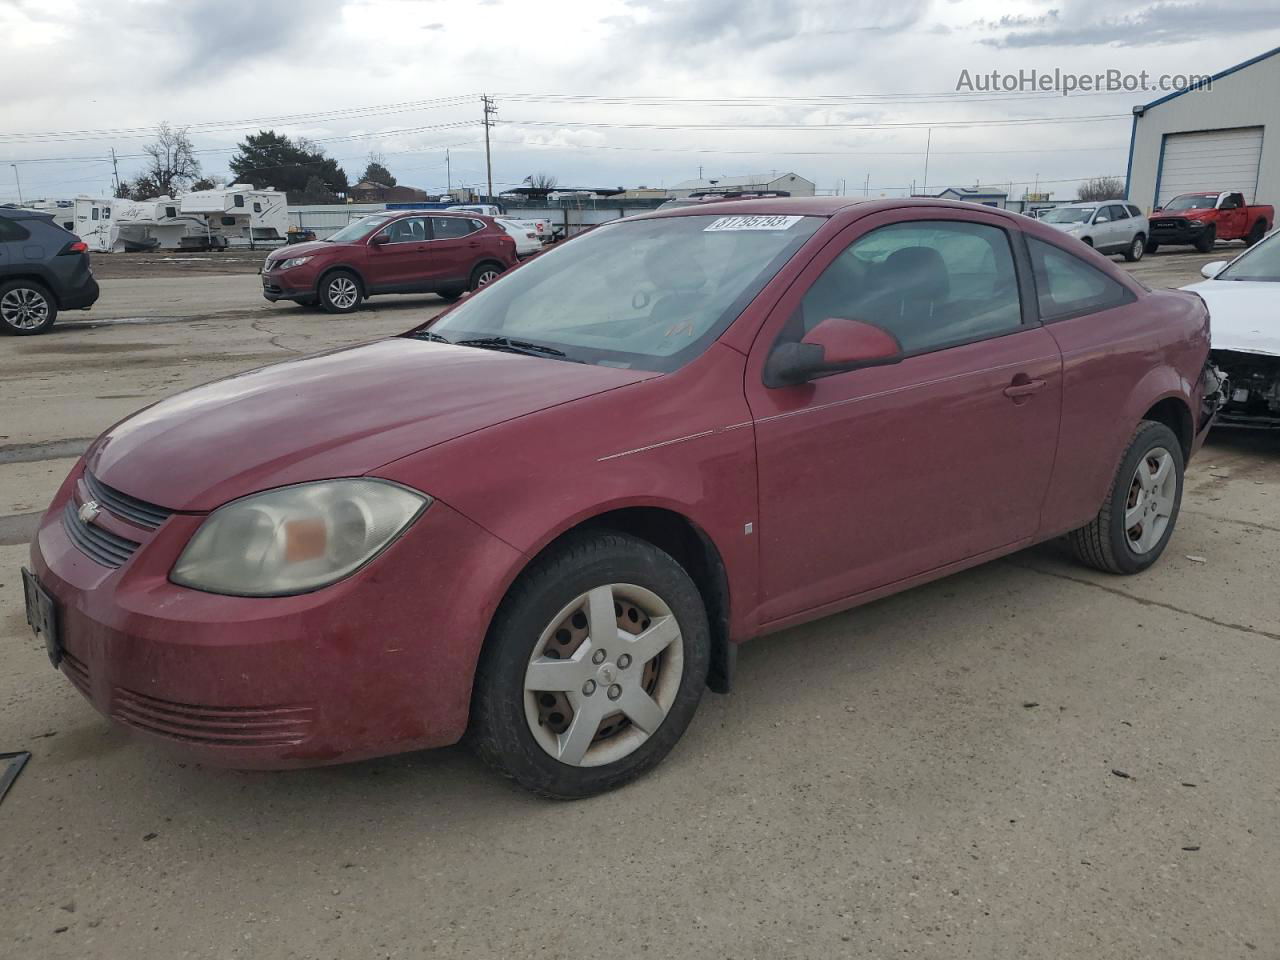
x,y
1225,136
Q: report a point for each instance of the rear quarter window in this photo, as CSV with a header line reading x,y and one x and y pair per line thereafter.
x,y
1066,286
11,231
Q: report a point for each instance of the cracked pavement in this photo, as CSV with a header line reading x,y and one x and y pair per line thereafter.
x,y
1028,759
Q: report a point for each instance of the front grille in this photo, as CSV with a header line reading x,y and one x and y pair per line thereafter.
x,y
217,726
76,672
135,511
98,544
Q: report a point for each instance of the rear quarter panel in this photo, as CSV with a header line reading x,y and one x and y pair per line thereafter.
x,y
1116,366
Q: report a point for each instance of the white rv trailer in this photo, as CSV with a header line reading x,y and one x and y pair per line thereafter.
x,y
147,224
238,215
89,218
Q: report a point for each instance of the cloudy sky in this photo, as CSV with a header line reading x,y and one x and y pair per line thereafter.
x,y
608,92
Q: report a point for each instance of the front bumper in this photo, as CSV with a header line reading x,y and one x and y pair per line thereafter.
x,y
379,663
275,286
1175,231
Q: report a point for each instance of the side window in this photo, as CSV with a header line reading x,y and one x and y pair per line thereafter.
x,y
1117,212
10,231
408,230
93,213
170,211
450,228
1067,286
257,207
931,283
239,200
1133,211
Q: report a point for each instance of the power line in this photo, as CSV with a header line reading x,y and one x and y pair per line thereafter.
x,y
896,124
805,153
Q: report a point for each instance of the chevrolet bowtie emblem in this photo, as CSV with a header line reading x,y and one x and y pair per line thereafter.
x,y
89,511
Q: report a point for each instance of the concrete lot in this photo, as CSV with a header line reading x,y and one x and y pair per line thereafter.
x,y
1025,760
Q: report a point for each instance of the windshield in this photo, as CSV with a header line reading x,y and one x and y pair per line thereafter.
x,y
1069,215
649,294
360,228
1192,201
1260,263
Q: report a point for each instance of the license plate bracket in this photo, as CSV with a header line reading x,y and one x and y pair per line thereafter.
x,y
42,615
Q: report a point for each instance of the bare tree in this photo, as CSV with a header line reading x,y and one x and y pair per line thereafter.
x,y
173,162
1102,188
542,182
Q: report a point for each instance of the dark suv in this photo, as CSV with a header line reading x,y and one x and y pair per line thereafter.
x,y
43,269
395,252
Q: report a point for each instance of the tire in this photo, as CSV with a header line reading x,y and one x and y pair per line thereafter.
x,y
26,308
1256,234
1207,239
484,274
1107,542
1136,249
450,296
1151,247
1087,241
340,292
530,733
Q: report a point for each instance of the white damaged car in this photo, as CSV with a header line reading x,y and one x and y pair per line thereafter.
x,y
1243,296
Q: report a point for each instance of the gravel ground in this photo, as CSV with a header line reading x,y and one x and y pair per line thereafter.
x,y
1028,759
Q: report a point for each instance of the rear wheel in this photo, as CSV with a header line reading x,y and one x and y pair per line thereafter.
x,y
1257,233
1152,247
26,308
484,275
1207,239
1135,524
1136,249
450,296
340,292
593,668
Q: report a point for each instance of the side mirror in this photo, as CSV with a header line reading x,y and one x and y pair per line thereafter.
x,y
1211,270
379,239
835,345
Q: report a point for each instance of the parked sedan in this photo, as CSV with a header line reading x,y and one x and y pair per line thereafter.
x,y
444,253
549,515
1113,226
524,234
1243,295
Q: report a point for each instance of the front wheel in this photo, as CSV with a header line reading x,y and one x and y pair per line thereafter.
x,y
593,668
340,292
1136,249
1136,521
26,308
1207,239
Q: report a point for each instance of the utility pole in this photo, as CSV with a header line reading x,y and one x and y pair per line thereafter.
x,y
489,111
115,169
19,182
866,186
924,188
448,175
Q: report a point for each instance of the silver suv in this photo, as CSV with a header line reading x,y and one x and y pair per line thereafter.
x,y
1109,226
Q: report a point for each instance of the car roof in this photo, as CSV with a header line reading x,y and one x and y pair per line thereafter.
x,y
846,207
21,213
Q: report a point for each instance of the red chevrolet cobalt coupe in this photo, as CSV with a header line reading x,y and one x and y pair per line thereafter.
x,y
546,518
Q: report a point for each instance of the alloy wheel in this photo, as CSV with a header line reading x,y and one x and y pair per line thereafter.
x,y
24,308
343,292
603,675
486,277
1152,494
1139,248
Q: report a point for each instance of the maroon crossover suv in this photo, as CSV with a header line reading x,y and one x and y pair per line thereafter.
x,y
547,517
410,252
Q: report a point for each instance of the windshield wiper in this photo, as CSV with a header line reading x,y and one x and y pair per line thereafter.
x,y
516,346
428,335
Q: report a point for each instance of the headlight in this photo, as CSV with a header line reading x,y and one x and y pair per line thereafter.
x,y
1196,223
296,539
292,262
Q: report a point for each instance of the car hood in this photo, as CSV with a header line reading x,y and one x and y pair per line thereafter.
x,y
333,415
1242,314
306,249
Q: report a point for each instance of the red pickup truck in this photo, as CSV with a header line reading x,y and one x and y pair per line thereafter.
x,y
1201,219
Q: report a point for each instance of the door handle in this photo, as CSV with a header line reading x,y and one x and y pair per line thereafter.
x,y
1022,388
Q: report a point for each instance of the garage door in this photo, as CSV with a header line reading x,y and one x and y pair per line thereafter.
x,y
1212,160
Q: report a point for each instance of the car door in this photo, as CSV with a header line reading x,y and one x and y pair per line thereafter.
x,y
1121,232
1232,216
455,247
873,476
397,262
